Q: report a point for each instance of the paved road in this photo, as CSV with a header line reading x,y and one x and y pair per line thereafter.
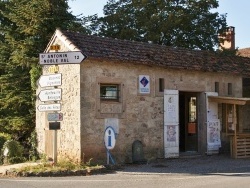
x,y
214,171
121,180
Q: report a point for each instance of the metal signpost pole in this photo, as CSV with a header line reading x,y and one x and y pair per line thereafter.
x,y
107,157
55,147
55,132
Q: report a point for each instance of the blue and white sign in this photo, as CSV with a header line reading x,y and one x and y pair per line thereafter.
x,y
144,84
109,138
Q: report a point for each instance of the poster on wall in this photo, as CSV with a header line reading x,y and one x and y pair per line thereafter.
x,y
144,84
213,135
171,133
171,109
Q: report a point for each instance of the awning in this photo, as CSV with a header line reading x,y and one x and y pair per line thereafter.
x,y
229,100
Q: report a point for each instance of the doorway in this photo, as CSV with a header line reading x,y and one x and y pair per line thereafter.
x,y
188,137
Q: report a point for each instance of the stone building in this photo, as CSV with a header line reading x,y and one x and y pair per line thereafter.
x,y
152,95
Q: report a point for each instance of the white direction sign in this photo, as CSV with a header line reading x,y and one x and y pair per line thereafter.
x,y
49,107
50,95
56,58
55,116
50,80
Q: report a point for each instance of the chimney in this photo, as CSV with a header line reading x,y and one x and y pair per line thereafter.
x,y
228,40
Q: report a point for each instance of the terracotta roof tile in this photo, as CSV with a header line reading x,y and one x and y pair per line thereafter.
x,y
159,55
245,52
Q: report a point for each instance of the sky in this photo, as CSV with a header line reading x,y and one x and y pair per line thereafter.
x,y
237,15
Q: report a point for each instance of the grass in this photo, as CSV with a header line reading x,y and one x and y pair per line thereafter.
x,y
60,166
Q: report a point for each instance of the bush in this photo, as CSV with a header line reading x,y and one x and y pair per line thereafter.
x,y
13,152
3,138
33,154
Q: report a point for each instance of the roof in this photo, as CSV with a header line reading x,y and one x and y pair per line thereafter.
x,y
156,55
229,100
245,52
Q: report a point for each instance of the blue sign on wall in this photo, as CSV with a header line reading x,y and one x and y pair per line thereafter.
x,y
109,138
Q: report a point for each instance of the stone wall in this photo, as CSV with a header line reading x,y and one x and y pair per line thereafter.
x,y
140,116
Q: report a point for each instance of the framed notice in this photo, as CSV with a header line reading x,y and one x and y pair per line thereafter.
x,y
144,84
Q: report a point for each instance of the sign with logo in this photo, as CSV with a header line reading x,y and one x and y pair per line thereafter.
x,y
109,138
144,84
56,58
49,107
55,116
50,95
50,80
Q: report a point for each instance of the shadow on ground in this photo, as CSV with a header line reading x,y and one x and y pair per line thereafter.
x,y
201,165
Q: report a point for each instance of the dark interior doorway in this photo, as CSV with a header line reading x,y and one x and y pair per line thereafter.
x,y
188,140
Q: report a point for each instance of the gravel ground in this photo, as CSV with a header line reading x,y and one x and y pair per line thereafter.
x,y
198,165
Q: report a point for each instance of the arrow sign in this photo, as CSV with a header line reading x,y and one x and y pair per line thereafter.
x,y
50,80
55,116
49,107
56,58
50,95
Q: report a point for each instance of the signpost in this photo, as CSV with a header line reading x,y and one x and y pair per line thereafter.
x,y
50,80
109,140
49,107
53,80
56,58
54,126
50,95
55,116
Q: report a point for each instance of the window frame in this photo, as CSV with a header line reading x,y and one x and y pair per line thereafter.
x,y
116,97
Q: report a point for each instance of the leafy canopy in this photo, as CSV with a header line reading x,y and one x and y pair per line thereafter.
x,y
179,23
26,27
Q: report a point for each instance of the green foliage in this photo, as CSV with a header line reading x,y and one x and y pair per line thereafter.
x,y
3,138
26,28
13,152
179,23
33,153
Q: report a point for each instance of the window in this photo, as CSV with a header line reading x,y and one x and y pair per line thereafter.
x,y
109,92
216,87
229,89
161,84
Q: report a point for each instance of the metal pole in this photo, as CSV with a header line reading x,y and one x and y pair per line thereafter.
x,y
107,157
55,147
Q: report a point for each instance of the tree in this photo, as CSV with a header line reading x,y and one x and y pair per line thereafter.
x,y
178,23
25,29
